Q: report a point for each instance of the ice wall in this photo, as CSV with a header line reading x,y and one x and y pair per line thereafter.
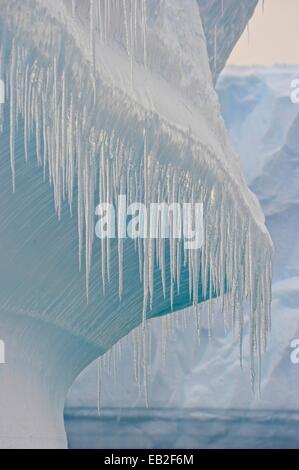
x,y
109,98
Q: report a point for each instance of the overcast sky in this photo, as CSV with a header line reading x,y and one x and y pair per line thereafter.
x,y
274,35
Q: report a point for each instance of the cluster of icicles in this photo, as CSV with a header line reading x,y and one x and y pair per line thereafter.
x,y
104,16
90,146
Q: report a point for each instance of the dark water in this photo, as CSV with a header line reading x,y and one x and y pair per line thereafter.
x,y
154,429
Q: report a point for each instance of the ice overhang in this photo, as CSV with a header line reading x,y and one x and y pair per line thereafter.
x,y
117,97
107,98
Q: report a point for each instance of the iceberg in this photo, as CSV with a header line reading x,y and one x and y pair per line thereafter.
x,y
109,98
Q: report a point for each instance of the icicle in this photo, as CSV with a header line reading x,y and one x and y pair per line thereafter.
x,y
126,27
135,361
198,314
70,154
80,201
74,8
120,242
145,241
132,51
144,17
135,20
108,7
100,20
37,134
146,261
215,47
106,19
63,133
92,33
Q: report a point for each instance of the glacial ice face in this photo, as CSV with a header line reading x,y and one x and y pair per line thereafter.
x,y
117,98
223,22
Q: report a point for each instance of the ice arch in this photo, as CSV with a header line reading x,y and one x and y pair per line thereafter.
x,y
106,98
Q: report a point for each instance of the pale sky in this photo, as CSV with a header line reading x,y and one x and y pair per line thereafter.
x,y
273,35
